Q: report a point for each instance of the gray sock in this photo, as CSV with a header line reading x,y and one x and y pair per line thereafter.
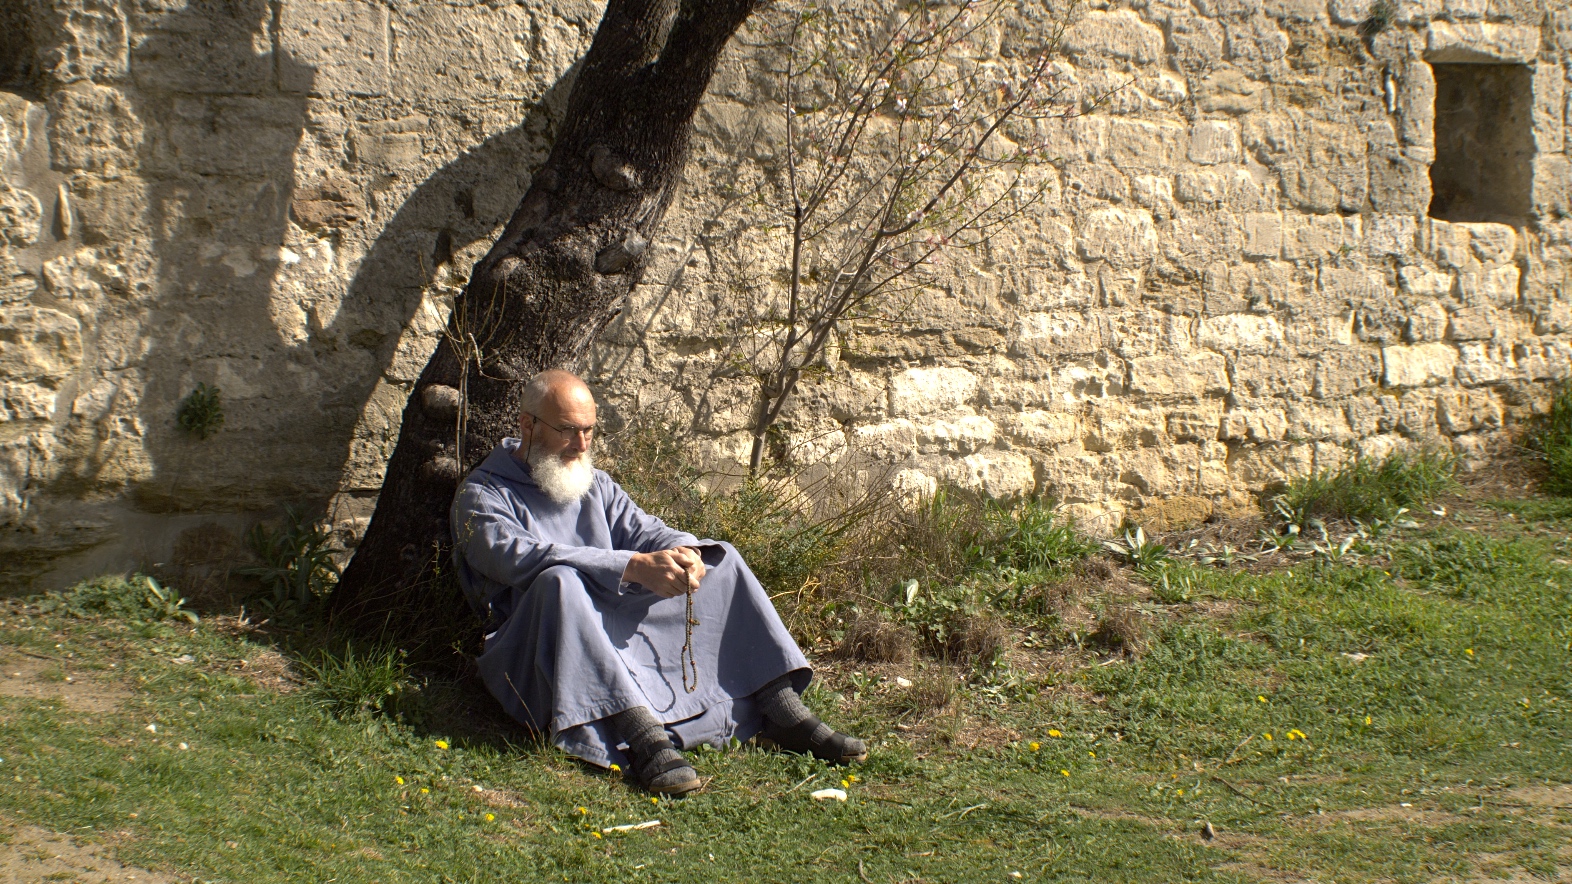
x,y
783,710
649,745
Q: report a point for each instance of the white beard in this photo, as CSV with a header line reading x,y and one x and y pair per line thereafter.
x,y
563,481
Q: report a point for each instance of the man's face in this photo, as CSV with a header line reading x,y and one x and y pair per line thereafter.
x,y
571,408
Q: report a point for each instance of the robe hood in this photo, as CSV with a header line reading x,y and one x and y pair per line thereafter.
x,y
503,463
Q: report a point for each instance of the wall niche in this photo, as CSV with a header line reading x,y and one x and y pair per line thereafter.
x,y
1483,169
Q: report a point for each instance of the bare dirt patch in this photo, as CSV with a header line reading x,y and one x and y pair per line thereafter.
x,y
30,855
76,688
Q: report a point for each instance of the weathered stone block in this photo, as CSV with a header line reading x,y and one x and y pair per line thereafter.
x,y
1462,43
394,144
1055,334
1122,237
1136,146
1319,236
1041,429
1256,41
1317,423
1121,34
93,129
1473,324
207,50
487,48
1497,286
1240,332
1263,235
1424,282
1195,424
39,345
1549,106
1213,142
1253,425
1204,188
341,46
1390,234
21,216
1489,243
964,435
1426,323
1201,374
83,40
997,473
917,391
1463,411
1173,513
235,135
1267,377
1418,365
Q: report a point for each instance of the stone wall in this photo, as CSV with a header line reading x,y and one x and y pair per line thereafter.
x,y
1235,278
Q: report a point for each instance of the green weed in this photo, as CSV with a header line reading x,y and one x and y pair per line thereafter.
x,y
375,682
134,599
1550,437
297,569
202,412
1365,490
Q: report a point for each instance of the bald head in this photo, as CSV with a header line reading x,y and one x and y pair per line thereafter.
x,y
553,387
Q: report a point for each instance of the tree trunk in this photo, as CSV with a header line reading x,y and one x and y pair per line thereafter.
x,y
568,257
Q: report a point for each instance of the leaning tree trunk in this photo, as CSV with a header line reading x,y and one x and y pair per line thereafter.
x,y
572,251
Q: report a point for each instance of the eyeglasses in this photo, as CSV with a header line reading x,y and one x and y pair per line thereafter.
x,y
568,430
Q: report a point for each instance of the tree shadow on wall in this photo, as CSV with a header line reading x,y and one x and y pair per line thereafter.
x,y
252,305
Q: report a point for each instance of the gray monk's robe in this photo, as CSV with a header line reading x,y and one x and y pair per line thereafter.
x,y
572,644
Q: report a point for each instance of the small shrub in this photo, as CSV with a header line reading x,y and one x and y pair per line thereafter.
x,y
930,692
1142,554
346,685
1120,627
134,599
1380,17
201,413
1550,437
297,570
1364,490
873,638
1029,535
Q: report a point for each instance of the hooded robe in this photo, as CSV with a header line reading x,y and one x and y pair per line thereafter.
x,y
569,643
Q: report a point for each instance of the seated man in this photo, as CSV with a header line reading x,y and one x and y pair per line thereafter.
x,y
609,629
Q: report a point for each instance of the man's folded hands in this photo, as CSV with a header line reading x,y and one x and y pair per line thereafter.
x,y
667,573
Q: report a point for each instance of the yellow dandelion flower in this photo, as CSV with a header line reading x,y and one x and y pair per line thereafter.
x,y
441,744
845,784
1064,772
1091,753
1181,793
654,800
399,780
583,810
1260,697
1054,733
616,768
1268,736
490,817
424,791
1469,651
853,777
1367,719
1034,745
596,834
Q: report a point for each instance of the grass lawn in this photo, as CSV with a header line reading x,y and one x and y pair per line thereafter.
x,y
1397,713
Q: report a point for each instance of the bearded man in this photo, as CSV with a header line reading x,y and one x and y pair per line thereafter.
x,y
618,637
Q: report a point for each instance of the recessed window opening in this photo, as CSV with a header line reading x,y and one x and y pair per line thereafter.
x,y
17,64
1483,169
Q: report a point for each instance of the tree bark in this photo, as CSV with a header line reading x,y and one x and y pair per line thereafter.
x,y
574,248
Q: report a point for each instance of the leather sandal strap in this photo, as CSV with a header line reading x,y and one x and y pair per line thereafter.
x,y
797,737
834,749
